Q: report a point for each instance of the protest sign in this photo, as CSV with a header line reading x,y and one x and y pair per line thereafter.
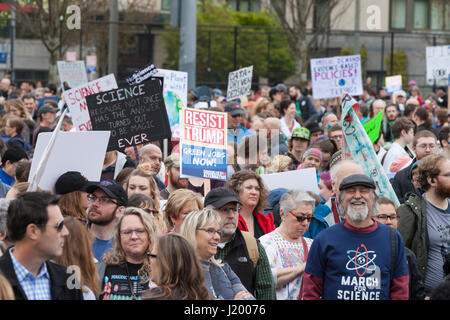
x,y
76,100
393,84
303,179
134,114
438,63
175,96
334,76
239,83
203,145
358,147
72,151
373,126
74,73
141,75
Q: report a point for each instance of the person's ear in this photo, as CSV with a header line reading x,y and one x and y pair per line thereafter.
x,y
32,231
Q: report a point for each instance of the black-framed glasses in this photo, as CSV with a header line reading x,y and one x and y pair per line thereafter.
x,y
151,255
385,217
151,211
301,218
211,231
59,226
101,200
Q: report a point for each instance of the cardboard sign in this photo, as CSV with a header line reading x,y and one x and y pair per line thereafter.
x,y
332,77
141,75
72,151
303,179
239,83
393,84
74,73
134,114
373,126
175,91
76,100
203,145
438,63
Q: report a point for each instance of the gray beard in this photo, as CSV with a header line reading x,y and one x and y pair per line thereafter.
x,y
357,215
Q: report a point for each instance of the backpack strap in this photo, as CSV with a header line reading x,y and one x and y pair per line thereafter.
x,y
392,252
252,247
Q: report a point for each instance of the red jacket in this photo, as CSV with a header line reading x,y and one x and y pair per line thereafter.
x,y
265,221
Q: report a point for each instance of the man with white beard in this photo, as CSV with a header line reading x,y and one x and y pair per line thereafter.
x,y
359,258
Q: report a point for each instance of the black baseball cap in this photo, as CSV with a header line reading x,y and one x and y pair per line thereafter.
x,y
220,196
233,108
71,181
357,180
112,190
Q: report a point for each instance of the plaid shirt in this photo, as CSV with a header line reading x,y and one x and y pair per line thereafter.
x,y
264,283
35,288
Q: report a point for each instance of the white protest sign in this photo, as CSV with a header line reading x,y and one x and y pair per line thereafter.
x,y
239,83
303,179
331,77
393,84
74,73
175,89
76,100
72,151
438,63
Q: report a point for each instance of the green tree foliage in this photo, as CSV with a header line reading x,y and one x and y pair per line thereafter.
x,y
399,66
215,45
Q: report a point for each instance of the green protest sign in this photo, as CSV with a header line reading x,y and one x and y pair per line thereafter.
x,y
373,126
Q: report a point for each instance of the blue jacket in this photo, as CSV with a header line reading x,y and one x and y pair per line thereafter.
x,y
318,223
238,134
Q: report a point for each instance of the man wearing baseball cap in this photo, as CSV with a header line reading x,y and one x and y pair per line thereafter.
x,y
107,202
359,258
298,144
245,255
235,131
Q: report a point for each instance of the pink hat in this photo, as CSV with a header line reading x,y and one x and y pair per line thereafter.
x,y
400,164
313,152
412,83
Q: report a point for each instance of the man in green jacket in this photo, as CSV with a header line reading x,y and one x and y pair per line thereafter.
x,y
425,219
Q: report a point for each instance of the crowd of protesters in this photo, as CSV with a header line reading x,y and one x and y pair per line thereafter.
x,y
144,232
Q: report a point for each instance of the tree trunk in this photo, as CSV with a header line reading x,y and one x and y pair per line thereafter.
x,y
53,69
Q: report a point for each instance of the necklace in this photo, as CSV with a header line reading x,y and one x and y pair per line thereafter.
x,y
133,295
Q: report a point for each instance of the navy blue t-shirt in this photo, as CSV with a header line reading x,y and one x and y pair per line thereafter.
x,y
356,266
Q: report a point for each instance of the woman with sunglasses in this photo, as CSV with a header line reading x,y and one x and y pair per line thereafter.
x,y
125,269
202,229
286,249
176,270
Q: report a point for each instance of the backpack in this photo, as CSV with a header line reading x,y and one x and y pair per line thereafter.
x,y
252,247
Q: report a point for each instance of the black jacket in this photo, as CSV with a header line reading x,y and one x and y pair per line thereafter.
x,y
402,184
59,289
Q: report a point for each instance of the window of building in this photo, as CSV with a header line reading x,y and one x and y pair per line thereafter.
x,y
321,15
245,6
440,15
165,5
398,14
420,14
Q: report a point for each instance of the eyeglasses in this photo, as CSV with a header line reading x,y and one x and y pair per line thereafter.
x,y
211,231
230,209
301,218
101,200
151,255
59,226
385,217
425,146
139,232
151,211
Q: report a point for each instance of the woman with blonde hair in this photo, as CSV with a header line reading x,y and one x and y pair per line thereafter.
x,y
202,229
180,203
280,163
125,269
142,181
176,270
77,252
6,291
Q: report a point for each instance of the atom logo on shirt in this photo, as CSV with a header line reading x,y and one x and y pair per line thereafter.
x,y
361,260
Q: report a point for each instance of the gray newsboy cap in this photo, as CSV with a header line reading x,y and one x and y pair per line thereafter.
x,y
357,180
